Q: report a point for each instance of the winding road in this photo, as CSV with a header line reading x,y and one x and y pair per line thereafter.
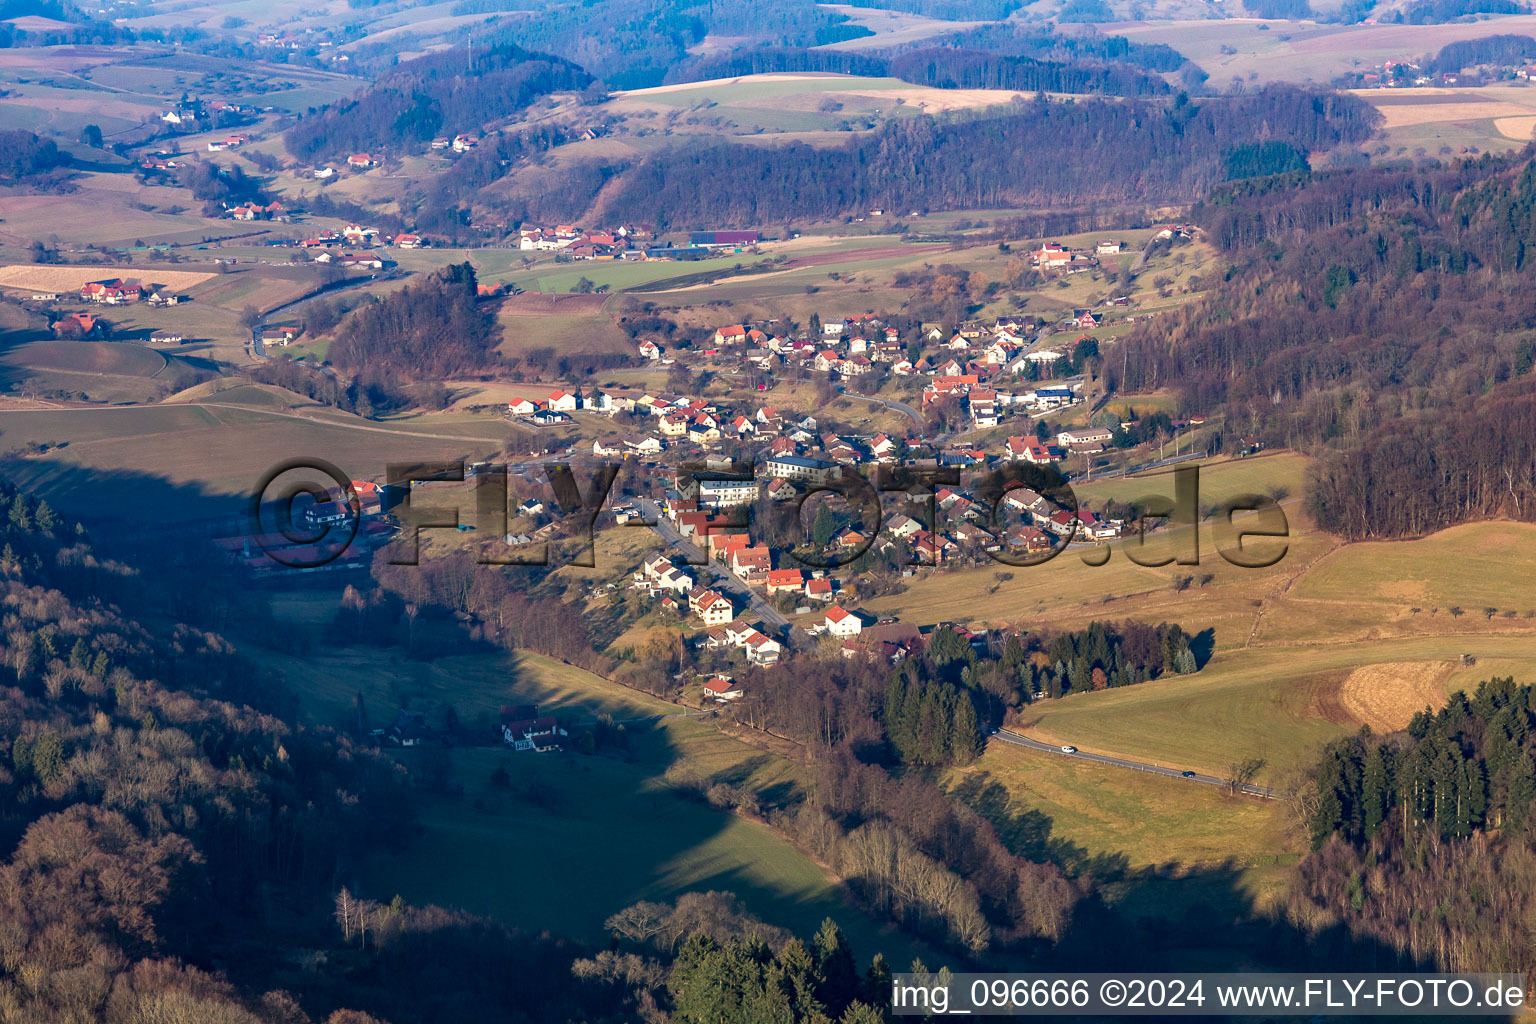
x,y
1008,736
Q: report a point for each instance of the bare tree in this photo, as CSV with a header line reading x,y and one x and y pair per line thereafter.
x,y
1240,774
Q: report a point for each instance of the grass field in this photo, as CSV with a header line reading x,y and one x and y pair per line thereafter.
x,y
1148,839
1278,703
575,333
607,830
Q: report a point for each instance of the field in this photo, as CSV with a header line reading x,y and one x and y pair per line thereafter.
x,y
1257,51
101,371
586,807
167,463
32,277
1277,703
1157,844
811,107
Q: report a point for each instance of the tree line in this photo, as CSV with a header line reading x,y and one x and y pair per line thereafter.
x,y
937,67
1423,838
1037,153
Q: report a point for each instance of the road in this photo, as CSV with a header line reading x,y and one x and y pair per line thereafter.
x,y
1016,739
901,407
724,580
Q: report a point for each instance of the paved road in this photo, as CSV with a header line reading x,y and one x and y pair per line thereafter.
x,y
1008,736
724,579
901,407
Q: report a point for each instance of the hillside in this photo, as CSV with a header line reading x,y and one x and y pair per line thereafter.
x,y
457,91
1029,155
1384,314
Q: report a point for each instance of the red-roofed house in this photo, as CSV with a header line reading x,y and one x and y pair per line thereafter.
x,y
839,621
722,689
784,580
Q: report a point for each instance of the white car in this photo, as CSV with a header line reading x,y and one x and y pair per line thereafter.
x,y
1069,749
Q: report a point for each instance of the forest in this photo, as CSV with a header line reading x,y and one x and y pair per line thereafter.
x,y
1022,39
938,67
1438,815
27,159
447,93
433,329
1382,317
1039,152
1498,50
632,44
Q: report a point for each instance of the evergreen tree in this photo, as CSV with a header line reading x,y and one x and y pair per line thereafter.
x,y
1374,786
837,976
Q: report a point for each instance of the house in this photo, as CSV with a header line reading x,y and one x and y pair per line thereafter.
x,y
839,621
735,334
522,407
369,262
112,293
726,492
409,242
323,173
1051,255
761,649
1107,247
562,401
360,161
642,444
792,467
79,325
819,589
710,606
1085,436
722,689
464,143
650,350
752,563
780,581
703,430
531,507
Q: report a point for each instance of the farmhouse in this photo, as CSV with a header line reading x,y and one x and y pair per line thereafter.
x,y
112,293
360,161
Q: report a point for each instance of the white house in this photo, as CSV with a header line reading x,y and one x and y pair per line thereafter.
x,y
841,622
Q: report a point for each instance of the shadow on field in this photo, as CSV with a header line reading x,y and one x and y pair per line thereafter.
x,y
1169,917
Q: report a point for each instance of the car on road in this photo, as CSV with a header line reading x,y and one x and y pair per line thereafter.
x,y
1187,775
1069,749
